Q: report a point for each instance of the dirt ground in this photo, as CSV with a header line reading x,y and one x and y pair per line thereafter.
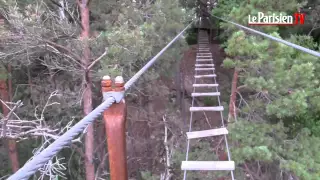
x,y
146,114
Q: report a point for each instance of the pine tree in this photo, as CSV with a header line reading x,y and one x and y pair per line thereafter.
x,y
283,88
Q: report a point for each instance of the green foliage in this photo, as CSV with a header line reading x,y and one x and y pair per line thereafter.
x,y
147,175
283,111
309,120
201,151
134,41
305,41
238,11
192,37
3,73
269,143
276,71
209,101
228,63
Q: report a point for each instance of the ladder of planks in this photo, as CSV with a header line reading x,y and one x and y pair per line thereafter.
x,y
205,69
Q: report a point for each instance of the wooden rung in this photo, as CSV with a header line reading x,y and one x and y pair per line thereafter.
x,y
205,85
205,94
202,65
216,108
204,60
203,69
208,165
205,76
207,133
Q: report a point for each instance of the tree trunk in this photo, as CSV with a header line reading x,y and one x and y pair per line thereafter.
x,y
87,95
178,84
7,96
61,11
232,104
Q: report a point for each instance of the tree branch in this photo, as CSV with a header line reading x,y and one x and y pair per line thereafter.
x,y
5,120
78,58
167,174
98,59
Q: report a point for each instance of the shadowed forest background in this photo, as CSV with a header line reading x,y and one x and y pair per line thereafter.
x,y
53,54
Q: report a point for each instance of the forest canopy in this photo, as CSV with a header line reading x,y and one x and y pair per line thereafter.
x,y
54,52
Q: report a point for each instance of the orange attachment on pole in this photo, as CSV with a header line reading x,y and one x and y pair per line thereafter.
x,y
115,121
106,84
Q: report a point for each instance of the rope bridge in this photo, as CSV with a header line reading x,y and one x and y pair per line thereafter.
x,y
204,69
110,98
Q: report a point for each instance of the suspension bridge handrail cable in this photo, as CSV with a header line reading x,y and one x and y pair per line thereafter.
x,y
306,50
64,140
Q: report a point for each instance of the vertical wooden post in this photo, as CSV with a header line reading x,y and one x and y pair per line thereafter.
x,y
115,121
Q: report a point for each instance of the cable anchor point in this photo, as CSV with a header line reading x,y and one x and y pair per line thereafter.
x,y
116,92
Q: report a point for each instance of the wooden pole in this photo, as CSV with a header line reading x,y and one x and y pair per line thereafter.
x,y
115,121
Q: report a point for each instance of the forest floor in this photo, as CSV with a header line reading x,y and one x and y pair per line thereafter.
x,y
148,115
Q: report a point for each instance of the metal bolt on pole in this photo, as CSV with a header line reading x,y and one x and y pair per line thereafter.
x,y
115,120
